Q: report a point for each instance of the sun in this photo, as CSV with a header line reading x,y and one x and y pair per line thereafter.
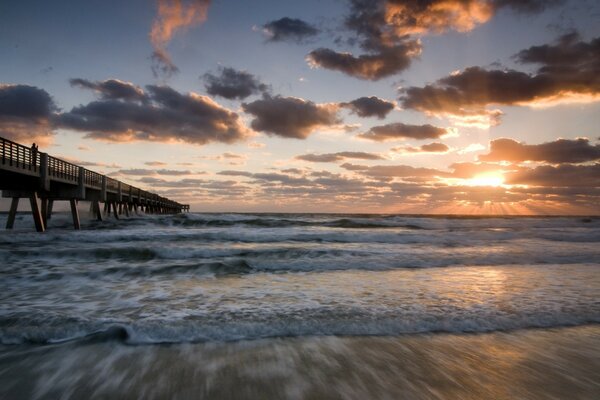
x,y
488,179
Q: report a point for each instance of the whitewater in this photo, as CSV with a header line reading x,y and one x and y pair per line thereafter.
x,y
271,286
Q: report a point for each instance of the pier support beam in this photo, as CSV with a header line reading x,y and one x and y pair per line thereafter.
x,y
50,206
35,212
44,210
75,214
114,207
96,205
10,222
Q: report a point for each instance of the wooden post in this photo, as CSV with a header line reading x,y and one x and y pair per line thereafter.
x,y
97,210
44,210
75,214
10,222
114,207
50,206
126,209
35,212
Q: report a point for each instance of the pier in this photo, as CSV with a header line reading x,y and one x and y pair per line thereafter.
x,y
26,173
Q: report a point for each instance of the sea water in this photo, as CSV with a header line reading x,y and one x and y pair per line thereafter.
x,y
301,306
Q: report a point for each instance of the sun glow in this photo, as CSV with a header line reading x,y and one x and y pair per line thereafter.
x,y
488,179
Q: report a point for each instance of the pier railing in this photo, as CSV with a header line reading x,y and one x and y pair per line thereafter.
x,y
22,158
18,156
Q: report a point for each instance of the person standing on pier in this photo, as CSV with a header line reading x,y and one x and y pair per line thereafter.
x,y
34,153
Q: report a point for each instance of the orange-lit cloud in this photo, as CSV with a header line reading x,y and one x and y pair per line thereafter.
x,y
159,113
26,114
567,73
559,151
291,117
414,17
173,16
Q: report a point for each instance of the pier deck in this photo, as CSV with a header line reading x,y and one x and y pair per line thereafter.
x,y
44,179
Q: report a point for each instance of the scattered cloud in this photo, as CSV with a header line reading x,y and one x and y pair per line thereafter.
x,y
340,156
370,107
399,131
233,84
566,175
26,114
434,147
559,151
290,117
149,172
173,16
567,73
289,30
160,114
155,164
384,62
111,89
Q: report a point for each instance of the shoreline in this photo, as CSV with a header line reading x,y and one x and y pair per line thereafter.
x,y
525,364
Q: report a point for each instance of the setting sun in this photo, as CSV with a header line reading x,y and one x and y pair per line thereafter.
x,y
490,179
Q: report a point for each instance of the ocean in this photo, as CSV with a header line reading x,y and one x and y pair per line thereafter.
x,y
301,306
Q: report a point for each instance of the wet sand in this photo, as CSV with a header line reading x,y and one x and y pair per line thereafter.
x,y
561,363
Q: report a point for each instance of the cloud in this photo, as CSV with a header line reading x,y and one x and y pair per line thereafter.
x,y
566,175
567,73
394,171
369,107
434,147
559,151
160,114
173,16
340,156
155,163
381,63
233,84
111,89
289,30
383,21
290,117
386,31
398,130
26,114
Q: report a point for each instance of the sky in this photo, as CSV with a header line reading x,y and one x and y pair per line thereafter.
x,y
362,106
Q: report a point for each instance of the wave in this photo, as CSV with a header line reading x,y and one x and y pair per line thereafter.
x,y
236,328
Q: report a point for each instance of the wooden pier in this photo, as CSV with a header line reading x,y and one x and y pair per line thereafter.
x,y
43,179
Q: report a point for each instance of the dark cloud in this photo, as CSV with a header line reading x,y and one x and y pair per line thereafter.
x,y
233,84
568,71
111,89
559,151
566,175
162,114
382,21
340,156
290,117
370,107
435,147
289,30
26,113
383,29
398,130
381,63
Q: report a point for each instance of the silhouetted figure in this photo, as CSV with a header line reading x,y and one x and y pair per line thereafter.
x,y
34,153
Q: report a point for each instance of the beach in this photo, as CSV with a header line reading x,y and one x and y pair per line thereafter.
x,y
302,306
